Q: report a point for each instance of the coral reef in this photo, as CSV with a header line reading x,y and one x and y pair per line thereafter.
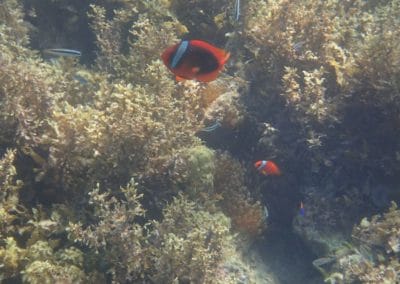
x,y
310,100
9,192
217,181
373,257
324,84
116,235
196,171
327,230
37,261
189,244
194,244
45,266
381,231
80,133
226,108
246,212
321,60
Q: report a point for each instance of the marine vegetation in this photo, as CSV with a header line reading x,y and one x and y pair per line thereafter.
x,y
113,172
371,257
73,136
326,99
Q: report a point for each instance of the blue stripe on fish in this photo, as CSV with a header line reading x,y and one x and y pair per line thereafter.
x,y
183,46
63,52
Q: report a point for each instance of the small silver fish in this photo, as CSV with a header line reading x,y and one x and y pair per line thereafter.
x,y
237,10
62,52
212,127
323,261
80,79
266,213
298,46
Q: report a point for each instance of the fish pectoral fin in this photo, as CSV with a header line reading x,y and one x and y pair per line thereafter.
x,y
222,55
195,70
226,57
179,79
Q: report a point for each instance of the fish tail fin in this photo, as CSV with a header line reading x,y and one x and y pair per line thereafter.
x,y
273,169
226,56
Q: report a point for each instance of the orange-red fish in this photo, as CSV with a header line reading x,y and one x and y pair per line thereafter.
x,y
195,60
267,168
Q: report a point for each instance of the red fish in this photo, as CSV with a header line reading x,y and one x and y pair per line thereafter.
x,y
195,60
267,168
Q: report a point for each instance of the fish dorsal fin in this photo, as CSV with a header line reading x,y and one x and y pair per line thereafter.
x,y
225,57
221,55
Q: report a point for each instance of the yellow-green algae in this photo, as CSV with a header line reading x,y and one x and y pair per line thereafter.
x,y
74,129
372,256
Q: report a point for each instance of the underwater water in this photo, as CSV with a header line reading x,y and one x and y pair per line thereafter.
x,y
199,141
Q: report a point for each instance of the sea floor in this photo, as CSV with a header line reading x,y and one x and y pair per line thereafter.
x,y
282,257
